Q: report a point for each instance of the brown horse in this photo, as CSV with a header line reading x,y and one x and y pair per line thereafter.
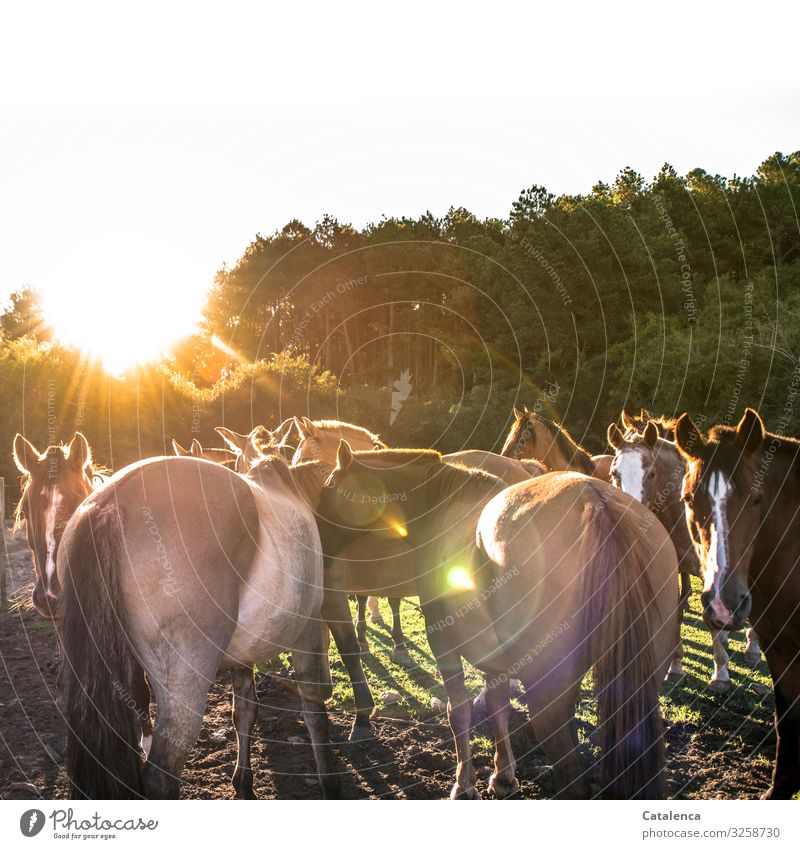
x,y
651,470
216,455
545,580
534,437
55,482
180,567
636,424
742,497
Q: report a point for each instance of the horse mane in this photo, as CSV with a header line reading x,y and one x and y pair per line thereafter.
x,y
354,430
574,454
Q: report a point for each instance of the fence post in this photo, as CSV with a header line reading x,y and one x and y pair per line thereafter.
x,y
5,566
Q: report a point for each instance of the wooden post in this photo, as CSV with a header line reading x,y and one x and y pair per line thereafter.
x,y
5,565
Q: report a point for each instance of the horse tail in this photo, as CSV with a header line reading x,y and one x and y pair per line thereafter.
x,y
96,682
618,595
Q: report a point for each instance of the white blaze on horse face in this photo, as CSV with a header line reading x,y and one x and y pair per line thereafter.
x,y
717,554
50,519
631,473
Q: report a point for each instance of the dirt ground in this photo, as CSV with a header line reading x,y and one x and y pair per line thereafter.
x,y
408,760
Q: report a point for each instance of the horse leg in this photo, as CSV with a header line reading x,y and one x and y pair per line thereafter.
x,y
141,696
309,676
245,711
556,730
459,708
180,706
336,613
503,781
374,611
675,674
400,654
752,650
786,775
720,680
361,623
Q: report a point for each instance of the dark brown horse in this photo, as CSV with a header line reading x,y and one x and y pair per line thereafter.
x,y
534,437
651,469
179,567
542,580
742,496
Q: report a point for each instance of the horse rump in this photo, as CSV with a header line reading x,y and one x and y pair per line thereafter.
x,y
96,681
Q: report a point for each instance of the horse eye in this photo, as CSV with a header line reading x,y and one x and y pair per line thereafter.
x,y
652,474
686,498
758,498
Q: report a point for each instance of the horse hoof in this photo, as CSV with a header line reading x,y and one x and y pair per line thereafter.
x,y
465,793
401,657
719,686
752,658
360,733
377,620
502,789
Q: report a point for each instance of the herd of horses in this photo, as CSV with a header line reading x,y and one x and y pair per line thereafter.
x,y
539,563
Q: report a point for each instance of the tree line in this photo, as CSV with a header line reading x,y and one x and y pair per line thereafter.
x,y
677,293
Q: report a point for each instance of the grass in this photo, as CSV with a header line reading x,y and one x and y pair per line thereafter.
x,y
699,720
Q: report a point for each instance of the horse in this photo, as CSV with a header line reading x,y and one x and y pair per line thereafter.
x,y
55,482
542,580
742,499
176,568
535,437
216,455
651,469
319,440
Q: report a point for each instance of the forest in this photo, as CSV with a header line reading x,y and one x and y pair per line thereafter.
x,y
677,293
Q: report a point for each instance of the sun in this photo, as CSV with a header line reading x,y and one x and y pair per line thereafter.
x,y
127,318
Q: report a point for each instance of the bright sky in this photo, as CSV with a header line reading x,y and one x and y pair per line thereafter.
x,y
142,148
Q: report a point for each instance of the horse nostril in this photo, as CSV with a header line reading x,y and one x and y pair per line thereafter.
x,y
706,597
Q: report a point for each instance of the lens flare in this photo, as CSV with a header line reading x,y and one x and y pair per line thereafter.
x,y
399,529
458,578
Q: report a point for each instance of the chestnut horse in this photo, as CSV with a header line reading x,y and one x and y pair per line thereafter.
x,y
651,469
534,437
483,558
742,499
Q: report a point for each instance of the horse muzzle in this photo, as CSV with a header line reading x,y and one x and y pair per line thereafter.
x,y
46,604
727,611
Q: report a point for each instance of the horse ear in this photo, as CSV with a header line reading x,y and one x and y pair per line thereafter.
x,y
25,455
252,452
526,410
650,435
688,438
311,428
750,431
517,414
627,422
236,441
615,438
79,452
197,449
344,456
178,449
